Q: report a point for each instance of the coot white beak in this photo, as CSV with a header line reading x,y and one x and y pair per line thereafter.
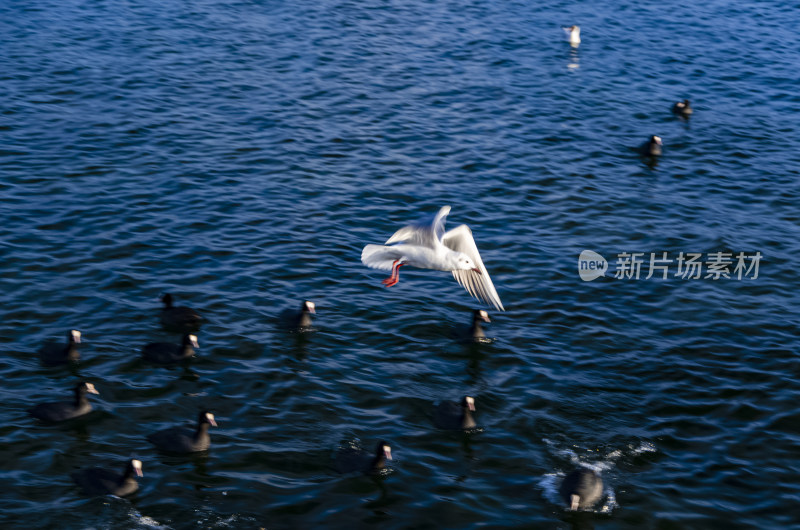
x,y
137,467
471,404
575,501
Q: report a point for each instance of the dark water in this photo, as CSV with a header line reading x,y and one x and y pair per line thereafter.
x,y
240,155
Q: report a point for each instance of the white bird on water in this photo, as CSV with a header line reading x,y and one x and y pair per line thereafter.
x,y
573,35
427,246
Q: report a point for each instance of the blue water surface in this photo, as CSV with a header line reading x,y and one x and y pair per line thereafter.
x,y
240,154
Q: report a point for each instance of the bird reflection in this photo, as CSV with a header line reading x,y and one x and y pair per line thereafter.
x,y
574,60
300,346
475,355
188,374
580,521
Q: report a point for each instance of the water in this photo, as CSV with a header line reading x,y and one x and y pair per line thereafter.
x,y
240,155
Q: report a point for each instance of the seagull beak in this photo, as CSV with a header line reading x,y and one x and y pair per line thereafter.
x,y
91,389
477,270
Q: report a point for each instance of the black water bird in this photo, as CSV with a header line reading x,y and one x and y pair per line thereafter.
x,y
66,410
179,317
652,147
476,330
352,459
55,354
166,352
683,108
303,319
581,489
100,481
183,440
455,416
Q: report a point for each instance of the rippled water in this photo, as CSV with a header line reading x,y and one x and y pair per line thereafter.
x,y
240,155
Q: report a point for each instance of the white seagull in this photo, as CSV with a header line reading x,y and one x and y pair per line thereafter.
x,y
573,35
427,246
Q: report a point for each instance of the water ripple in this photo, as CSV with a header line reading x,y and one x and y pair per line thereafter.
x,y
240,154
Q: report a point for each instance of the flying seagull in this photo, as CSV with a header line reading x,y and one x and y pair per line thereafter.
x,y
427,246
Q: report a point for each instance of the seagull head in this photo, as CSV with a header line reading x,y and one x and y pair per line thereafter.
x,y
461,261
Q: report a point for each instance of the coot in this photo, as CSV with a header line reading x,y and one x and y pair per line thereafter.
x,y
183,440
99,481
177,317
300,320
683,108
455,416
66,410
651,147
352,459
476,330
581,488
165,352
55,354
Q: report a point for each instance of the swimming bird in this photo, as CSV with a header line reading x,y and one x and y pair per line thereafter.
x,y
581,488
165,352
99,481
651,147
455,416
303,318
426,245
183,440
66,410
351,459
683,108
573,35
182,318
476,330
54,354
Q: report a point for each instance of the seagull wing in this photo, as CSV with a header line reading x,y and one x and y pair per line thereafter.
x,y
426,233
380,257
480,284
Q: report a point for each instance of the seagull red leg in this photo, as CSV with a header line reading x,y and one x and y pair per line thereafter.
x,y
391,278
395,277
